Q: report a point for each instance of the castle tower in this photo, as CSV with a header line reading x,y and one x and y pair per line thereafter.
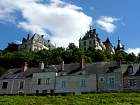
x,y
119,46
109,46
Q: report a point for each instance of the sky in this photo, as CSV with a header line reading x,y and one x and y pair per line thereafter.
x,y
65,21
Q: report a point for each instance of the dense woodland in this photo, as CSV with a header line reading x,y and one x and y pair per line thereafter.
x,y
10,57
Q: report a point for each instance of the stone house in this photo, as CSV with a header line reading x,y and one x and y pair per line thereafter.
x,y
71,78
18,81
44,83
131,77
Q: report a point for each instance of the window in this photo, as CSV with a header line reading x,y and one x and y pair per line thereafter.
x,y
21,84
130,70
37,91
20,92
79,44
63,84
111,82
83,83
131,82
5,84
101,79
47,81
39,81
84,43
90,42
44,91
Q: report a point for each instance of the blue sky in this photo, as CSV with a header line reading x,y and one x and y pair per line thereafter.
x,y
65,21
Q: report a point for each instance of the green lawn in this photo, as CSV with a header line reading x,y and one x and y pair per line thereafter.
x,y
87,99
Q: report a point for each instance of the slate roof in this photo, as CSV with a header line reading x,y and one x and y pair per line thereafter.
x,y
42,40
68,68
107,41
90,34
74,68
39,38
18,73
124,67
100,67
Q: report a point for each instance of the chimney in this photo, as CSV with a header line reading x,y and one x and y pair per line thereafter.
x,y
82,64
42,65
62,66
42,36
119,62
48,41
25,66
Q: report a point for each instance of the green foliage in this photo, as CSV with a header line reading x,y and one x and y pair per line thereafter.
x,y
120,55
87,99
9,58
131,57
2,70
100,55
11,47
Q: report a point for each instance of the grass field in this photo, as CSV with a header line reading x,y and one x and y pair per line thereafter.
x,y
87,99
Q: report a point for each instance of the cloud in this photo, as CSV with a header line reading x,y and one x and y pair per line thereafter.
x,y
61,21
18,42
107,23
136,51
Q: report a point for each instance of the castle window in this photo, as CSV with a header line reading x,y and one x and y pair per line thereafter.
x,y
85,43
90,42
79,44
130,70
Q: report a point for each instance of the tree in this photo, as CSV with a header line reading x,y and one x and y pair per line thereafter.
x,y
131,57
109,56
120,55
2,71
11,47
100,55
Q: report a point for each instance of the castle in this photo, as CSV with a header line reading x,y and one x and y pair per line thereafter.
x,y
35,42
92,40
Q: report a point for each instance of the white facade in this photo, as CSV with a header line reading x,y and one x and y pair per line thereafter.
x,y
43,82
76,84
35,43
15,86
110,81
92,40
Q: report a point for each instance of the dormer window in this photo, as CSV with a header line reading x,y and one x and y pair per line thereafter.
x,y
130,70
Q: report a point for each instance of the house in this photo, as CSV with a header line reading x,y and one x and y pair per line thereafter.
x,y
106,77
76,84
131,77
35,42
73,78
44,82
18,81
97,76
